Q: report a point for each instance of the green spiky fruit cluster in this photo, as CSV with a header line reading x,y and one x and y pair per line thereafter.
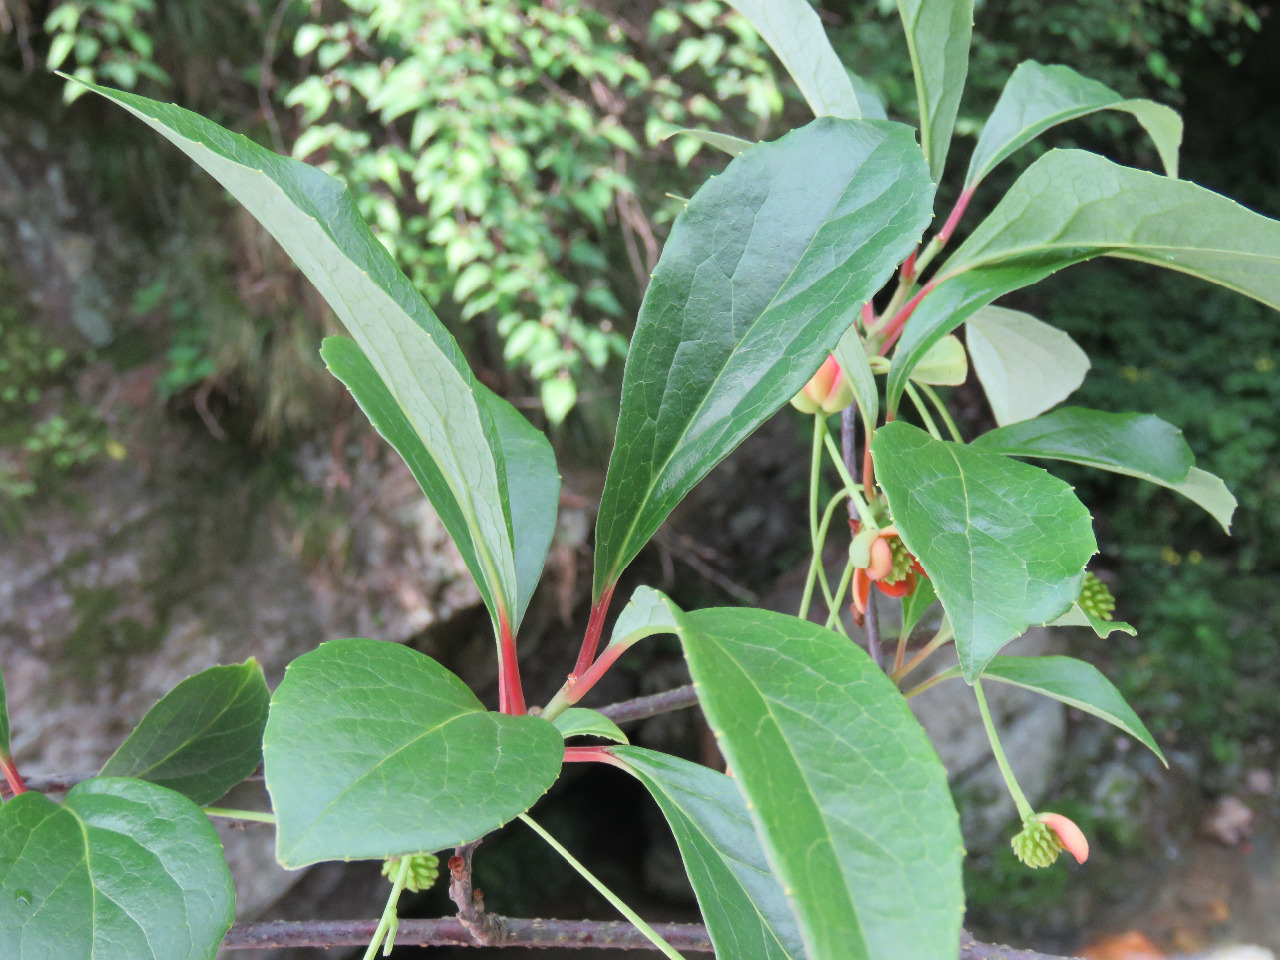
x,y
1095,599
1037,845
424,868
902,559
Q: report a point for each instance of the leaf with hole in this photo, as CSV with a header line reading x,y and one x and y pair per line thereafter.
x,y
1004,543
1025,366
745,910
1070,206
454,418
203,737
840,781
1038,96
373,750
121,870
764,270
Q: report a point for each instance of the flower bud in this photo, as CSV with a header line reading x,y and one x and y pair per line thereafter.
x,y
827,391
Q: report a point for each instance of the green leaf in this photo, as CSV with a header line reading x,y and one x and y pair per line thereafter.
x,y
944,365
647,613
1077,684
916,603
1205,490
1135,444
1070,206
203,737
746,912
733,146
794,32
764,270
1025,365
1038,97
1077,616
938,35
581,722
122,870
316,221
851,354
373,750
847,794
1004,543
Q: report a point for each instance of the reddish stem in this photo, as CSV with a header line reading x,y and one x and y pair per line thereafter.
x,y
894,328
589,755
908,272
868,315
868,473
957,212
510,689
591,639
597,670
11,774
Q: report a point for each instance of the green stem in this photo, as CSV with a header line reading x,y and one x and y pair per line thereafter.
x,y
1019,798
833,605
942,637
932,394
851,488
815,563
815,543
386,930
923,411
255,815
604,891
932,681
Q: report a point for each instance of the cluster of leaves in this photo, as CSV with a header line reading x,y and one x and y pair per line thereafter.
x,y
837,836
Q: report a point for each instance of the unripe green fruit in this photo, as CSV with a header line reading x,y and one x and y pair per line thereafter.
x,y
1095,599
1037,845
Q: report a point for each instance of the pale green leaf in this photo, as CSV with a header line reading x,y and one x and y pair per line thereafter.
x,y
767,266
1205,490
1025,365
916,603
1077,616
1038,97
581,722
746,912
1077,684
938,35
944,365
851,354
1071,205
203,737
1004,543
847,794
373,750
121,870
647,613
793,31
733,146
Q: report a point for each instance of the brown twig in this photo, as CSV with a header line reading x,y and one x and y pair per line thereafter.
x,y
641,708
486,929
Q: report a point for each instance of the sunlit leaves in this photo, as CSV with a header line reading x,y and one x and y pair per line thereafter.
x,y
1025,366
938,33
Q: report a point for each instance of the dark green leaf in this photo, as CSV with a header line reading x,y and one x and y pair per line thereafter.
x,y
746,912
847,794
794,32
581,722
938,34
122,870
1071,205
1025,365
916,603
316,220
1077,684
1004,543
764,270
203,737
373,750
1038,97
1135,444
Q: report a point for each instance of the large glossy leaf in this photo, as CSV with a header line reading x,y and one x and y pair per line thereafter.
x,y
794,32
1135,444
847,794
1077,684
1038,97
746,912
1071,205
1025,365
452,415
373,750
122,870
767,266
203,737
938,34
1004,543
